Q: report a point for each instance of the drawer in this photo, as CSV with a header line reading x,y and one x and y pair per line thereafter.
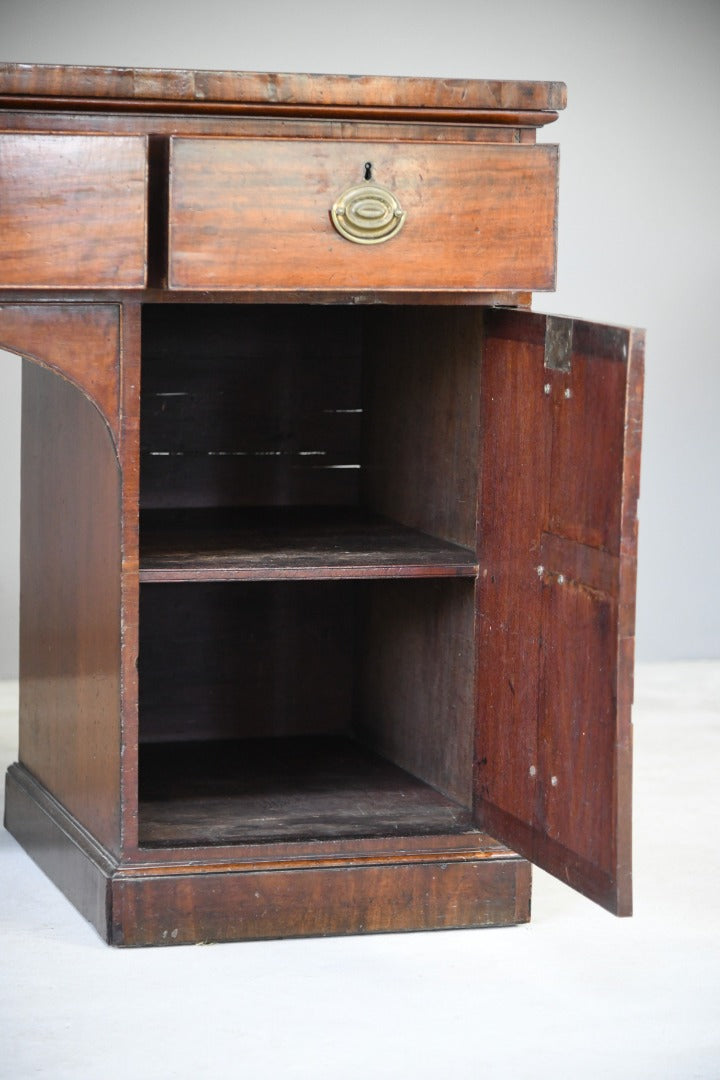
x,y
73,211
256,214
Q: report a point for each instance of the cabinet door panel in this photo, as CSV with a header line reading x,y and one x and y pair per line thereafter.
x,y
560,475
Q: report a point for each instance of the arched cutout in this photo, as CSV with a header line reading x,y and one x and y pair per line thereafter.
x,y
80,342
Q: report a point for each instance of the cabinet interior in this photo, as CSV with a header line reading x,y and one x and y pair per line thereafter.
x,y
308,543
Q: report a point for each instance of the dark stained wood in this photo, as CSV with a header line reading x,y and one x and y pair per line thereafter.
x,y
472,882
70,532
597,569
585,503
158,168
511,119
130,579
587,672
389,662
81,342
321,94
577,727
515,459
73,211
277,789
213,748
214,479
278,297
284,542
23,789
279,854
422,431
255,214
570,811
179,909
246,659
62,848
250,406
416,674
224,123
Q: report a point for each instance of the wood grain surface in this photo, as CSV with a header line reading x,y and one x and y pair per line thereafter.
x,y
416,667
80,342
276,543
70,534
172,909
421,435
254,790
252,214
468,881
73,211
155,88
554,726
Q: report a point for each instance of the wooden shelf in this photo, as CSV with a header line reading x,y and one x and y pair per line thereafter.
x,y
307,788
290,542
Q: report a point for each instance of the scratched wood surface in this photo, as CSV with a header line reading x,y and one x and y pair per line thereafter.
x,y
254,790
72,211
291,543
70,602
253,214
556,615
155,89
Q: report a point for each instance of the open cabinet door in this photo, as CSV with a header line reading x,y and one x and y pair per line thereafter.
x,y
562,404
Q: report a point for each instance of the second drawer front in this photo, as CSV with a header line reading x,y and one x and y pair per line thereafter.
x,y
255,214
73,211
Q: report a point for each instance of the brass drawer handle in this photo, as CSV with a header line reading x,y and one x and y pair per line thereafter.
x,y
367,214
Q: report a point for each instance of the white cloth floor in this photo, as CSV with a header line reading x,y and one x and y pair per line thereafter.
x,y
575,994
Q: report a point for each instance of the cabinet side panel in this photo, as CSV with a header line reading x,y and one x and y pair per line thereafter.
x,y
421,418
417,669
70,602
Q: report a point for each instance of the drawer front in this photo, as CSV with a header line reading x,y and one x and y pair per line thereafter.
x,y
256,214
73,211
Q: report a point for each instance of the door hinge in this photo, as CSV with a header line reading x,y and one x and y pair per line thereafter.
x,y
558,343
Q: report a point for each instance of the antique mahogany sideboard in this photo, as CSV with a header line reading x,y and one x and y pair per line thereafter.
x,y
328,541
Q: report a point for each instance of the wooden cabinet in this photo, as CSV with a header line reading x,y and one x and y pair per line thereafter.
x,y
328,541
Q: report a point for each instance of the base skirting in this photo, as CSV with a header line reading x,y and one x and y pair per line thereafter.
x,y
176,903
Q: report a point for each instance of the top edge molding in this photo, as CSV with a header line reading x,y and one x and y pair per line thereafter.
x,y
39,86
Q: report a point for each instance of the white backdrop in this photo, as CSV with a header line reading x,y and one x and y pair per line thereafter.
x,y
639,208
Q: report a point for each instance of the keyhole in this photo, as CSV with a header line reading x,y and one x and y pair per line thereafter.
x,y
368,170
